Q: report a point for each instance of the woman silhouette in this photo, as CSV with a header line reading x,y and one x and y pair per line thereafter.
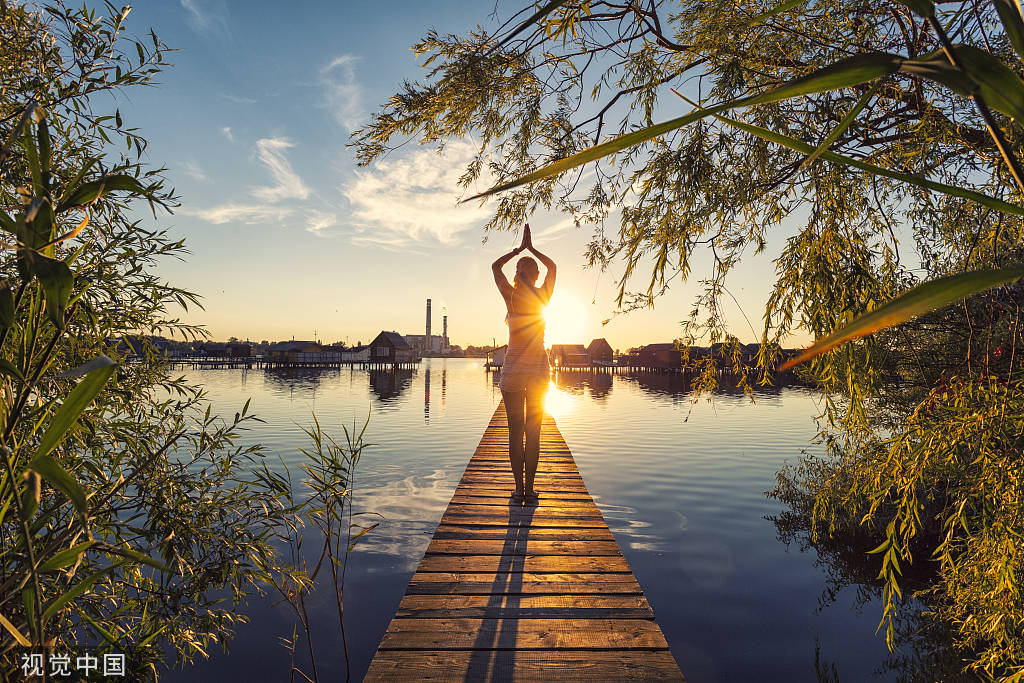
x,y
524,374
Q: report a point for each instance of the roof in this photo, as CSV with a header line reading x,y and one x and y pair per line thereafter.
x,y
601,340
395,339
668,346
291,345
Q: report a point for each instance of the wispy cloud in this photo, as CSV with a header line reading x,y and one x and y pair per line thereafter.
x,y
287,183
342,93
194,170
413,201
242,213
239,99
267,205
226,132
317,222
207,16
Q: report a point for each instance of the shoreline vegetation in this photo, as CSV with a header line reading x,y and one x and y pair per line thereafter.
x,y
132,523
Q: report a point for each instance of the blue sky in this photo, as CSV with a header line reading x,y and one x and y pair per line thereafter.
x,y
289,238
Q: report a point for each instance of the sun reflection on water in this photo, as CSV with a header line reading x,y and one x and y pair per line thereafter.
x,y
559,403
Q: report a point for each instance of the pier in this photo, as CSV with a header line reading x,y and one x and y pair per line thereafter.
x,y
507,592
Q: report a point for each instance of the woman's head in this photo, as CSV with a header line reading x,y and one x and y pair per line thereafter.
x,y
527,271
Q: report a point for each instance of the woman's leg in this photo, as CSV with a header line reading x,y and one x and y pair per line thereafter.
x,y
534,417
516,412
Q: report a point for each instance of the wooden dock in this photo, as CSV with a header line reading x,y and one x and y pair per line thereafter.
x,y
523,593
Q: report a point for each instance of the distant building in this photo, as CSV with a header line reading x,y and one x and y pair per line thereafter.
x,y
600,350
418,342
390,347
215,350
666,355
569,355
356,354
238,349
293,351
496,357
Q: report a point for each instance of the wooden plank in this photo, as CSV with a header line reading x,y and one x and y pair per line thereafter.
x,y
525,634
451,666
522,546
515,592
481,531
525,606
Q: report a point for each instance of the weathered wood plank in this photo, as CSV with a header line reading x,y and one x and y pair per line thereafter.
x,y
522,546
526,563
453,666
480,531
524,634
525,607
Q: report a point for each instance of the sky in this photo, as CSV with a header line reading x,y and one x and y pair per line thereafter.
x,y
288,238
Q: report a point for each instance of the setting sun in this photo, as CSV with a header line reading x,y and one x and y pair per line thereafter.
x,y
566,320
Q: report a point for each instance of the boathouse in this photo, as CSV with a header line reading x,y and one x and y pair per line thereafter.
x,y
666,355
390,347
496,356
357,354
569,355
292,351
600,351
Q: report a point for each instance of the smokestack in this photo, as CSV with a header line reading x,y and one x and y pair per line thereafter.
x,y
444,335
428,325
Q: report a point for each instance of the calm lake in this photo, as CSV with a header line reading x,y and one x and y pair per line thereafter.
x,y
681,485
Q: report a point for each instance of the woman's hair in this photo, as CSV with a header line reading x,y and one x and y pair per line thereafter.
x,y
527,264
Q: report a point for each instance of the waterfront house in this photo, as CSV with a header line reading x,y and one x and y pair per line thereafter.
x,y
390,347
569,355
292,351
357,354
238,349
666,355
600,351
496,357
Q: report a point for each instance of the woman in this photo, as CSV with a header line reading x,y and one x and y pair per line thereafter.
x,y
524,374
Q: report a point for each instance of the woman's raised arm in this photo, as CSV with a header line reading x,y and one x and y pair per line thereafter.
x,y
499,277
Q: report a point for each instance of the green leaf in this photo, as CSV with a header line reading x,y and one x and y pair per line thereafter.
x,y
84,194
129,553
66,557
1009,14
11,370
89,192
48,468
32,155
22,640
45,153
76,402
923,298
57,281
6,306
846,73
77,590
1000,86
920,181
772,12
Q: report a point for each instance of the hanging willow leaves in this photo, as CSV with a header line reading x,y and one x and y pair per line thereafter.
x,y
849,72
923,298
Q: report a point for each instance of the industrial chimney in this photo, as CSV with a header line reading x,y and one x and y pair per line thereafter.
x,y
428,344
444,335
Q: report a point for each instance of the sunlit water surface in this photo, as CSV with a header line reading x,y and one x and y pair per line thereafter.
x,y
681,484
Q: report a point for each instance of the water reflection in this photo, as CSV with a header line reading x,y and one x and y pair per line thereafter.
x,y
389,385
